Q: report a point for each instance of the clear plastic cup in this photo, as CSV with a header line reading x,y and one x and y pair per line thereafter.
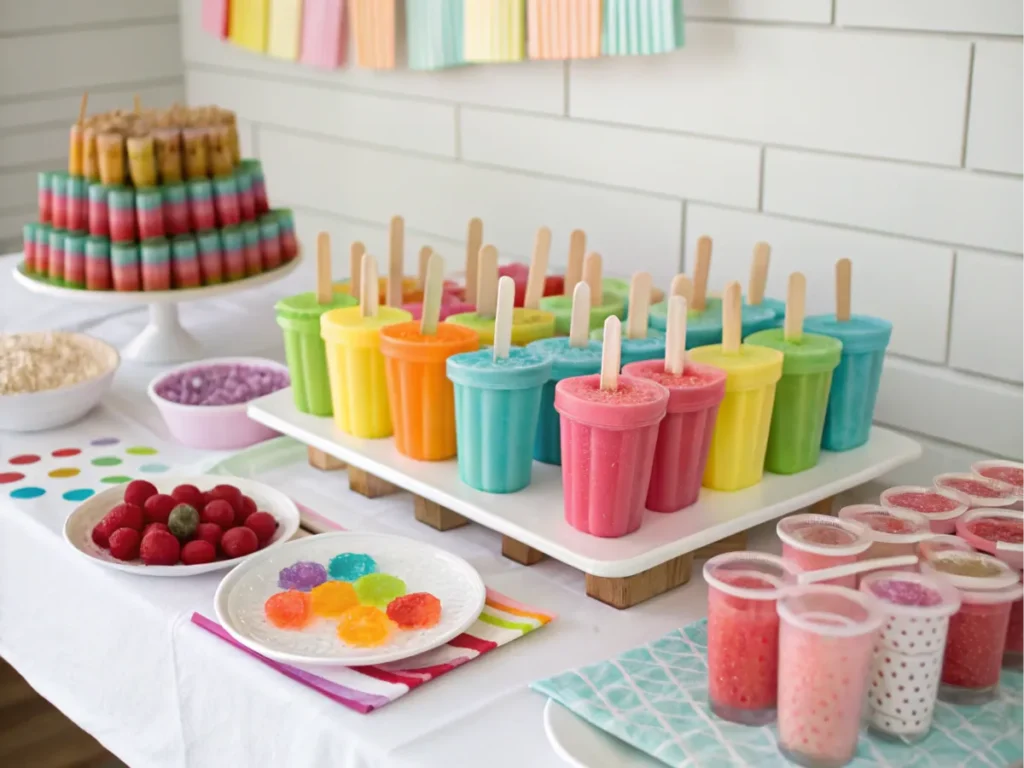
x,y
826,643
892,532
907,662
941,507
608,441
743,634
1009,472
684,435
813,542
976,491
527,325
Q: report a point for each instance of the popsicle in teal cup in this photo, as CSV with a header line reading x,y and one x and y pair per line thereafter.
x,y
639,342
497,403
851,404
758,281
572,355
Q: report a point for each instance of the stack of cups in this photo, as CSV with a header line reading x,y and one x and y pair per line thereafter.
x,y
234,253
246,200
200,204
97,264
99,212
29,246
185,262
74,260
56,265
43,249
176,210
253,254
814,542
121,204
124,260
270,241
211,265
44,197
289,244
156,265
149,206
892,533
59,200
225,194
77,204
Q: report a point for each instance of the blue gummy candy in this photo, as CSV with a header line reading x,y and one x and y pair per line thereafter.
x,y
350,566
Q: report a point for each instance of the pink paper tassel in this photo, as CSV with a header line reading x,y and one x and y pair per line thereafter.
x,y
323,33
215,17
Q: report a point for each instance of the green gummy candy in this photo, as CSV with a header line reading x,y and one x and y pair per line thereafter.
x,y
183,521
378,589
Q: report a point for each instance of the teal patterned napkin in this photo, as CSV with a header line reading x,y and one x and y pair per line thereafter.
x,y
655,698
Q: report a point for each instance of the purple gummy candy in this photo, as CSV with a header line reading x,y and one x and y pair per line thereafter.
x,y
303,576
221,384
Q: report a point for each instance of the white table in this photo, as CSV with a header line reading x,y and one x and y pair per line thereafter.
x,y
118,655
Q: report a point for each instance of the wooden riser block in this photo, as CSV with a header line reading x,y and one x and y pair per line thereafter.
x,y
632,590
436,516
521,553
735,543
324,461
370,486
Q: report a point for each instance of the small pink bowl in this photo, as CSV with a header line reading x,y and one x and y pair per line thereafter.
x,y
213,427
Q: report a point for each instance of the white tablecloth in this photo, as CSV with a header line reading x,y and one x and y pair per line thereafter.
x,y
118,654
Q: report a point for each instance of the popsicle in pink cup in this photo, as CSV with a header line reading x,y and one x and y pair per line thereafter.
x,y
892,532
813,542
942,507
609,431
1009,472
451,304
827,637
976,491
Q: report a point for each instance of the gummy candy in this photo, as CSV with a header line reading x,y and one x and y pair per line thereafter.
x,y
364,626
333,598
379,589
183,520
303,576
349,566
419,610
288,610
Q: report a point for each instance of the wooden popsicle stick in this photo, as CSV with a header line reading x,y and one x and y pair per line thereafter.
x,y
732,320
574,266
682,285
538,269
844,278
396,260
82,107
324,289
425,253
758,273
433,282
137,104
579,321
503,317
675,336
611,353
487,282
355,268
592,276
701,272
474,241
369,298
639,306
796,294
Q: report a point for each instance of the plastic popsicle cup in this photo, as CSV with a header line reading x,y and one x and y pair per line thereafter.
x,y
99,212
156,265
246,198
55,268
149,209
892,532
905,667
44,196
43,250
984,529
561,308
234,255
941,507
1009,472
121,206
976,491
684,435
211,260
78,205
225,198
528,325
801,398
608,443
299,318
29,246
253,253
142,161
355,366
812,542
97,264
826,644
289,243
76,152
185,262
110,148
743,634
59,199
177,219
1013,655
124,261
74,260
270,241
200,204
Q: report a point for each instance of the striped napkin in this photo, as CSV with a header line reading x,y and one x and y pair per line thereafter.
x,y
494,30
564,29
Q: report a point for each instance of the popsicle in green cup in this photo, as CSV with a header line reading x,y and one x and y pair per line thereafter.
x,y
602,304
801,396
299,318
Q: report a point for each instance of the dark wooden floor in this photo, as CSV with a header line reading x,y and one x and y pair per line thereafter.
x,y
34,734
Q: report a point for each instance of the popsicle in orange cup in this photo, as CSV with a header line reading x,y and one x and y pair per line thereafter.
x,y
404,286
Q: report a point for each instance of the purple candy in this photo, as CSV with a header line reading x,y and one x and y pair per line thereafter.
x,y
303,576
221,384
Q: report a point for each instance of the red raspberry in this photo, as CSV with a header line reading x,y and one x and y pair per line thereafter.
x,y
101,534
239,542
210,532
219,512
123,516
155,527
158,508
263,524
160,548
188,494
138,491
124,543
229,494
248,507
198,551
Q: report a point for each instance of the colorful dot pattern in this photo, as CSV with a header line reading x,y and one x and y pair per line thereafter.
x,y
106,461
64,472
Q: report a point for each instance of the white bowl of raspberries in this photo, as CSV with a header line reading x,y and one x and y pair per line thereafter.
x,y
181,526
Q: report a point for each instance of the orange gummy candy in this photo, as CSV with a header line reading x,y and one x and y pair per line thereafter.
x,y
364,626
333,598
288,610
419,610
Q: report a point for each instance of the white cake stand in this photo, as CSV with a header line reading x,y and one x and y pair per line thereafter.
x,y
163,340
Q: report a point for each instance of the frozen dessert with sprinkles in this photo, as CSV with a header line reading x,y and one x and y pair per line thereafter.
x,y
221,384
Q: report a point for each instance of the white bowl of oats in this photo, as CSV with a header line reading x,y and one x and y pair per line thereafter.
x,y
51,378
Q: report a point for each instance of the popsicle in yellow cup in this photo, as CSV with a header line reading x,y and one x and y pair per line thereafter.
x,y
409,286
736,456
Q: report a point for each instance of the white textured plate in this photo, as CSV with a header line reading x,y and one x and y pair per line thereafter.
x,y
423,568
78,527
582,745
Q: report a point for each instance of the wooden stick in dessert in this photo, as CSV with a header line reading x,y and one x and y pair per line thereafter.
x,y
137,104
324,288
639,306
732,319
574,266
503,317
474,241
538,269
700,273
82,107
425,253
844,278
355,269
682,285
579,321
433,282
675,336
592,276
796,295
369,296
611,353
396,261
487,282
758,273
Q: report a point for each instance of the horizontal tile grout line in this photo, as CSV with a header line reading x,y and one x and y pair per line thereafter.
x,y
944,440
104,87
840,28
942,366
95,26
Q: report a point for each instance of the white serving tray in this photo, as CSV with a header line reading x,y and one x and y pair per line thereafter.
x,y
534,516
